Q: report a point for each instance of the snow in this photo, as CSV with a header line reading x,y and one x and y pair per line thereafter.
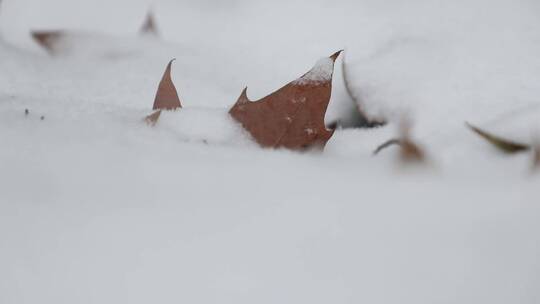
x,y
98,207
320,73
458,62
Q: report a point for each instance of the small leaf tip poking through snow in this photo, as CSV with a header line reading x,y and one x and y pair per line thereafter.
x,y
502,144
167,96
47,39
153,118
149,26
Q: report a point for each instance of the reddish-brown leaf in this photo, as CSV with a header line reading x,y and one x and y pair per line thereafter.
x,y
293,116
411,152
153,118
48,39
167,96
149,26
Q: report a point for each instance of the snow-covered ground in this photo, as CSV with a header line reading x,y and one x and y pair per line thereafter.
x,y
97,207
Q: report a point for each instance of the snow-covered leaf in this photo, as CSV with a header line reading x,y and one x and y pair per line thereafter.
x,y
293,116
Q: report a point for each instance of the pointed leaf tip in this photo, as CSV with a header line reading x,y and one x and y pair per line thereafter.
x,y
293,116
243,99
153,118
167,96
335,56
47,39
502,144
149,26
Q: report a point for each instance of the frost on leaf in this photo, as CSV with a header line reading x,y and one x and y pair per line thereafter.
x,y
166,96
293,116
502,144
48,39
149,26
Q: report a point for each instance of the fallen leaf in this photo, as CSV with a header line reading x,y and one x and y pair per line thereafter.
x,y
410,151
153,118
48,39
293,116
504,145
149,26
166,97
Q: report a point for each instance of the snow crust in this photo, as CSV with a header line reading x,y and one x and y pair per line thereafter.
x,y
97,207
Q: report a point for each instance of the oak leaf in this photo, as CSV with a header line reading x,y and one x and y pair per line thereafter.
x,y
293,116
166,96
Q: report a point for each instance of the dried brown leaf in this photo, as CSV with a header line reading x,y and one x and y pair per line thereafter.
x,y
153,118
293,116
503,144
411,152
167,96
149,26
48,39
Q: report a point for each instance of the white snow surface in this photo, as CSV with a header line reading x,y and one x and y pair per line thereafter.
x,y
97,207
